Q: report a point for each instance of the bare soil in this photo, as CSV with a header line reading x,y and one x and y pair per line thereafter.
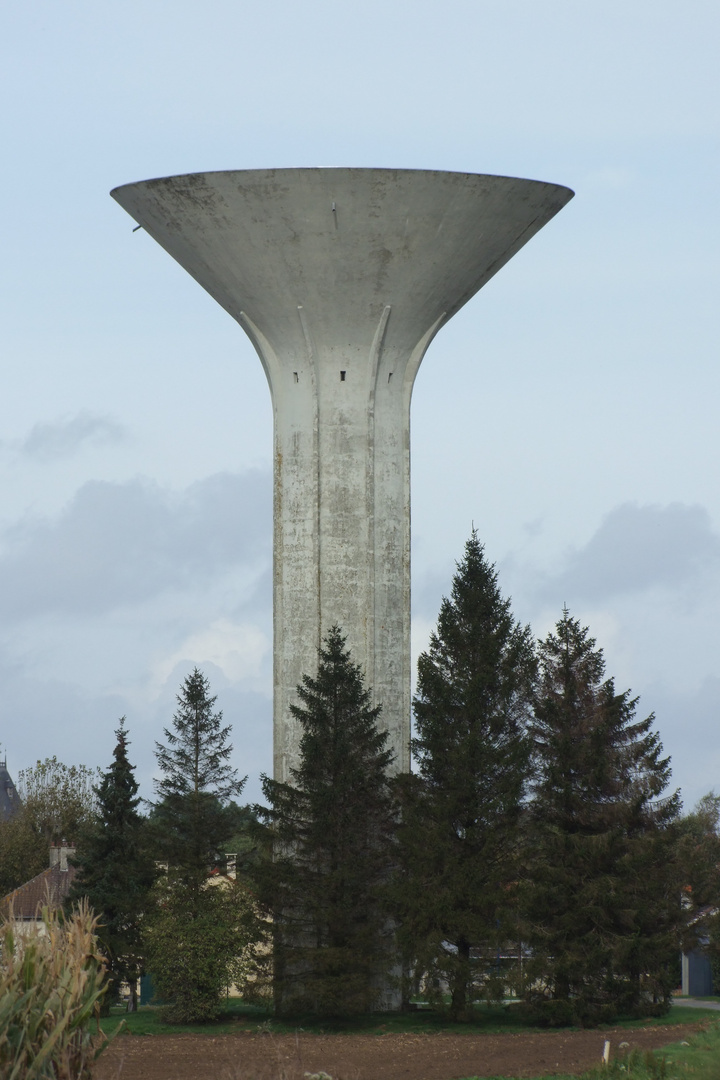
x,y
442,1056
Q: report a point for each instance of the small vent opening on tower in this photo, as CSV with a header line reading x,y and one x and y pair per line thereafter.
x,y
389,376
295,376
342,376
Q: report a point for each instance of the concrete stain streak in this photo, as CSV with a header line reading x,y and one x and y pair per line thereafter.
x,y
341,278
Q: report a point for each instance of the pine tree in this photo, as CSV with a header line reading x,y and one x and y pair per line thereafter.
x,y
115,871
461,808
193,817
198,929
331,831
603,905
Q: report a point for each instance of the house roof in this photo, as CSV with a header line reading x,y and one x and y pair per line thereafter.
x,y
50,888
9,798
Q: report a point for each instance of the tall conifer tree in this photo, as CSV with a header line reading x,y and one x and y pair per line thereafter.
x,y
603,909
331,831
197,930
115,871
461,809
192,817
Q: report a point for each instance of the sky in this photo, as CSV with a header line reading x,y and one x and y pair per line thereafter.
x,y
568,412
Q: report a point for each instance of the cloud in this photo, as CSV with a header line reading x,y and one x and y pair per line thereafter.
x,y
238,650
638,548
45,716
249,713
119,544
65,437
687,723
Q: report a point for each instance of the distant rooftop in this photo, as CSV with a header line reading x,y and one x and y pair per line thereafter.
x,y
49,888
9,799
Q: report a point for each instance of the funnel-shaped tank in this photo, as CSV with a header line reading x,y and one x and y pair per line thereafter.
x,y
341,278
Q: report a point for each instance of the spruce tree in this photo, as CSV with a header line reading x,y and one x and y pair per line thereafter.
x,y
603,904
461,808
198,929
193,817
331,833
115,871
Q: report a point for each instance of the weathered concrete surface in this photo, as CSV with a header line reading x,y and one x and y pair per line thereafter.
x,y
341,278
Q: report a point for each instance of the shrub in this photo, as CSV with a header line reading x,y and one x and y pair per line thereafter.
x,y
51,983
197,941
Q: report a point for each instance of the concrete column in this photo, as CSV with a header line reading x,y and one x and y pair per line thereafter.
x,y
341,278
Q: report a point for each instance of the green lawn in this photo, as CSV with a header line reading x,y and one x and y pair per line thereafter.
x,y
697,1058
241,1017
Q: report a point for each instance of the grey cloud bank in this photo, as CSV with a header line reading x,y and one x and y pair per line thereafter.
x,y
579,389
106,607
688,725
638,548
119,544
64,437
635,549
647,583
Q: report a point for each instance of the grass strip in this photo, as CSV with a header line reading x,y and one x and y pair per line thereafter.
x,y
239,1017
695,1058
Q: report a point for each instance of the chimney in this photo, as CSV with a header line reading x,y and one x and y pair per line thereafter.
x,y
59,854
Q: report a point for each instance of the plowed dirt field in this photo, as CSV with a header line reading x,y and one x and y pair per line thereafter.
x,y
441,1056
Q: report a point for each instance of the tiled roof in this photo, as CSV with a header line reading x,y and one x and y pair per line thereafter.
x,y
9,798
51,887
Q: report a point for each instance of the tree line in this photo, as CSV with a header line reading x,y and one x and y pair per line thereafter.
x,y
535,850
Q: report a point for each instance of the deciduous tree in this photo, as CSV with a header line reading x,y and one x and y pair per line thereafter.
x,y
23,852
197,944
58,799
697,853
58,803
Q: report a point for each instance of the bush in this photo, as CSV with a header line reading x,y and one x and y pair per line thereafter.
x,y
197,941
51,983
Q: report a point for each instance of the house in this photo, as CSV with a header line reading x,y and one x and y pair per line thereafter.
x,y
9,799
697,976
697,980
49,889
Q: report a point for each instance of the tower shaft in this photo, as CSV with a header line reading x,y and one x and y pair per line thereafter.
x,y
342,522
341,278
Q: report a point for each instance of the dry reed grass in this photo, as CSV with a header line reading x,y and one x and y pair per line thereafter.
x,y
52,979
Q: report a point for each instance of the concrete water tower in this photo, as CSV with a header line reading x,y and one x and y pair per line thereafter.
x,y
341,278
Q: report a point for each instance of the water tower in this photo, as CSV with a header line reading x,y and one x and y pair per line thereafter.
x,y
341,278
